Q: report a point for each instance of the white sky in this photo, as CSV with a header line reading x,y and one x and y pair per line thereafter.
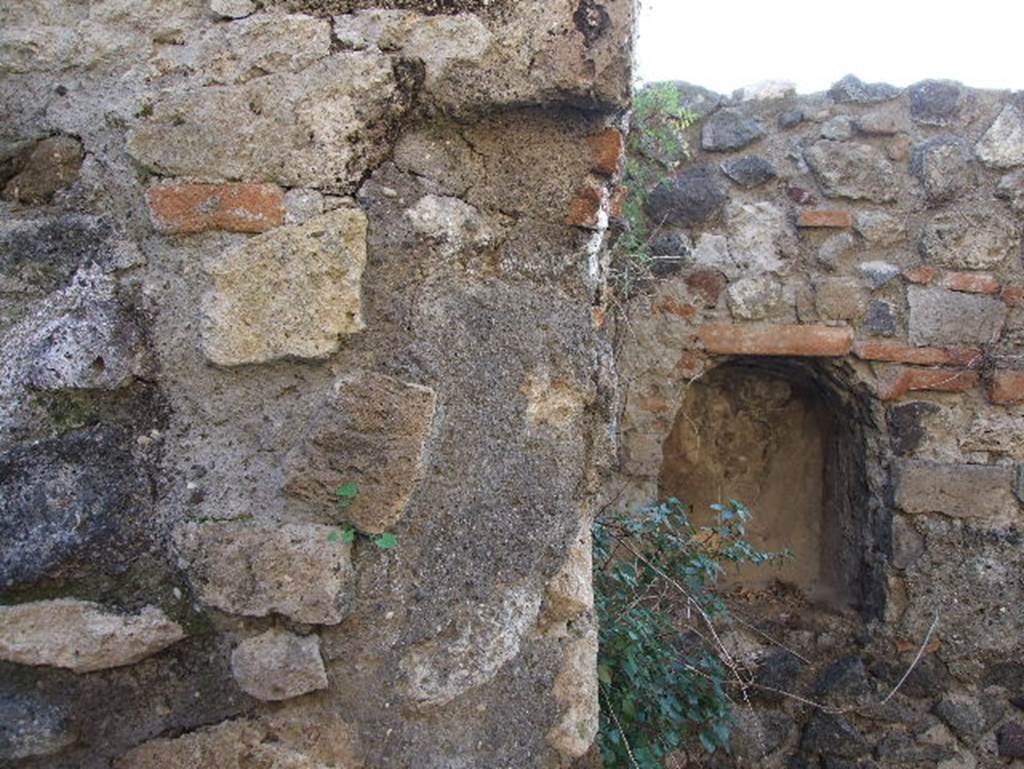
x,y
726,45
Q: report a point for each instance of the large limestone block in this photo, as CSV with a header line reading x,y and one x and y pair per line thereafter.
x,y
288,293
322,127
946,318
82,636
958,490
278,665
256,570
371,431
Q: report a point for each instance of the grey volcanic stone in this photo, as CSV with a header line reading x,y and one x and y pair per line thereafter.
x,y
943,166
728,130
901,750
905,425
278,665
790,118
935,102
67,514
777,674
671,243
969,240
940,317
692,197
880,318
853,89
968,716
857,171
749,171
51,165
878,273
839,128
1010,740
1002,146
1011,188
833,735
31,725
959,490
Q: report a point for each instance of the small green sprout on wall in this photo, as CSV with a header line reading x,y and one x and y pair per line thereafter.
x,y
344,496
657,146
662,670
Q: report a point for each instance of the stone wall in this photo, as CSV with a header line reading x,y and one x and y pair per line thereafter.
x,y
864,243
251,251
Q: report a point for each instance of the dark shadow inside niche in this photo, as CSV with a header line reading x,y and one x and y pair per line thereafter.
x,y
797,443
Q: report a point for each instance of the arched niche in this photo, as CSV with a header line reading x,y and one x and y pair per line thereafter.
x,y
796,444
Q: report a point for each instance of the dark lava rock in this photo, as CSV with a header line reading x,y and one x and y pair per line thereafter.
x,y
901,750
1010,739
671,243
943,166
833,735
880,319
30,725
907,433
692,197
846,677
72,505
935,102
969,717
45,253
749,171
791,118
728,130
853,89
778,674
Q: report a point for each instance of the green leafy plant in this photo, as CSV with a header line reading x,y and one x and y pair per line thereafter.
x,y
662,669
344,496
657,146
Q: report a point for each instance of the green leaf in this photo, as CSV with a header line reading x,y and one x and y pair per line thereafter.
x,y
348,490
386,541
349,536
334,536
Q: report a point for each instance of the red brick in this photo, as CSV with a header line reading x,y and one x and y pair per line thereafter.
x,y
606,151
672,307
898,382
897,352
920,275
1006,388
826,218
898,149
805,341
188,208
618,201
691,364
585,208
653,404
708,283
1013,296
971,282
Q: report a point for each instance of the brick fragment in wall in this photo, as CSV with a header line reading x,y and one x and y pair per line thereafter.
x,y
971,282
772,340
896,382
920,275
190,208
958,490
1006,387
606,150
825,218
898,352
1013,296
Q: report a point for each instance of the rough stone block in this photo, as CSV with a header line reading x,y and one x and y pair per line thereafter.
x,y
278,665
825,218
754,298
750,171
879,227
31,725
1006,388
1002,146
971,240
372,431
943,166
944,318
576,690
852,89
961,491
321,128
857,171
840,298
935,102
728,130
188,208
999,434
289,293
48,167
795,340
82,636
691,197
297,570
